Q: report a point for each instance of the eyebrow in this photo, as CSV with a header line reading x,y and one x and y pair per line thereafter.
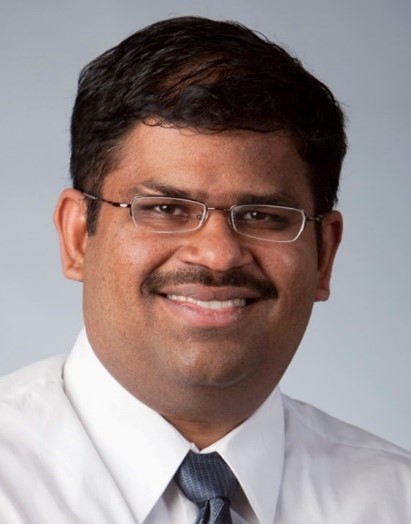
x,y
278,198
164,189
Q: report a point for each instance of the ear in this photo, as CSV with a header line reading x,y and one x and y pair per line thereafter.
x,y
70,221
332,227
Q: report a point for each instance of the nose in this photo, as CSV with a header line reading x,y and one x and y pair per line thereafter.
x,y
216,245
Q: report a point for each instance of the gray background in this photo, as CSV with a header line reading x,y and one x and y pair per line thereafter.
x,y
355,359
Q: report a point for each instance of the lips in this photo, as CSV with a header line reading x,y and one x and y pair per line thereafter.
x,y
198,297
199,306
209,304
203,300
205,306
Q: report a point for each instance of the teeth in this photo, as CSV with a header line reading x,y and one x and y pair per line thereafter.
x,y
210,304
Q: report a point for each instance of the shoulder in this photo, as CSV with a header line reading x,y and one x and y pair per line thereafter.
x,y
319,427
48,463
36,377
337,461
30,396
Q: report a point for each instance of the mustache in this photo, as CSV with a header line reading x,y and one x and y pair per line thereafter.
x,y
157,280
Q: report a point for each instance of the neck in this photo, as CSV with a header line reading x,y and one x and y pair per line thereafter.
x,y
203,433
205,417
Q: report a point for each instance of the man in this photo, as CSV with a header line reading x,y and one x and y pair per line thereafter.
x,y
205,166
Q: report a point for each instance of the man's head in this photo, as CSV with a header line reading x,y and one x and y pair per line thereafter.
x,y
201,324
208,75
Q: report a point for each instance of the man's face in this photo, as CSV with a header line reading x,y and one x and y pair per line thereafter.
x,y
151,318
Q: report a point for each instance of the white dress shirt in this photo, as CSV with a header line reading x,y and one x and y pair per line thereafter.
x,y
77,448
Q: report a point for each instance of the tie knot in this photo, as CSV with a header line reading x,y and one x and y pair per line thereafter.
x,y
202,477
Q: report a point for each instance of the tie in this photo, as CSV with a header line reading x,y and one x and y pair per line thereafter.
x,y
207,480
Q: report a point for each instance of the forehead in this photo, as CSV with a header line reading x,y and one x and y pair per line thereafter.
x,y
221,166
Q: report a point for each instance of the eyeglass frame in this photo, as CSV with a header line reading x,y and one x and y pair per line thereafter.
x,y
204,216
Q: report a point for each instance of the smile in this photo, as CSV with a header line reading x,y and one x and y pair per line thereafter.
x,y
210,304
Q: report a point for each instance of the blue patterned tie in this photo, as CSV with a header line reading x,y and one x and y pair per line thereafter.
x,y
207,480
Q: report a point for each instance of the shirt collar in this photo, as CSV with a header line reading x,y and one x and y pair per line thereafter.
x,y
255,453
142,450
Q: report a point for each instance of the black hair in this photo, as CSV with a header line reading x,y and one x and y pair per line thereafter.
x,y
209,75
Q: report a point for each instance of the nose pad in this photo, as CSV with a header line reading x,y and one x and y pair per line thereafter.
x,y
216,245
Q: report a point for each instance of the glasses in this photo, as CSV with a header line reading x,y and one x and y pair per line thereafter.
x,y
160,214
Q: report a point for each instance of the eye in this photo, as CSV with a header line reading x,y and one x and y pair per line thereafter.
x,y
168,209
256,216
166,215
161,209
266,217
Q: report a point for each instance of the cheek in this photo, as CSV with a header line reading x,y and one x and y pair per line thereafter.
x,y
140,256
116,266
295,277
293,270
